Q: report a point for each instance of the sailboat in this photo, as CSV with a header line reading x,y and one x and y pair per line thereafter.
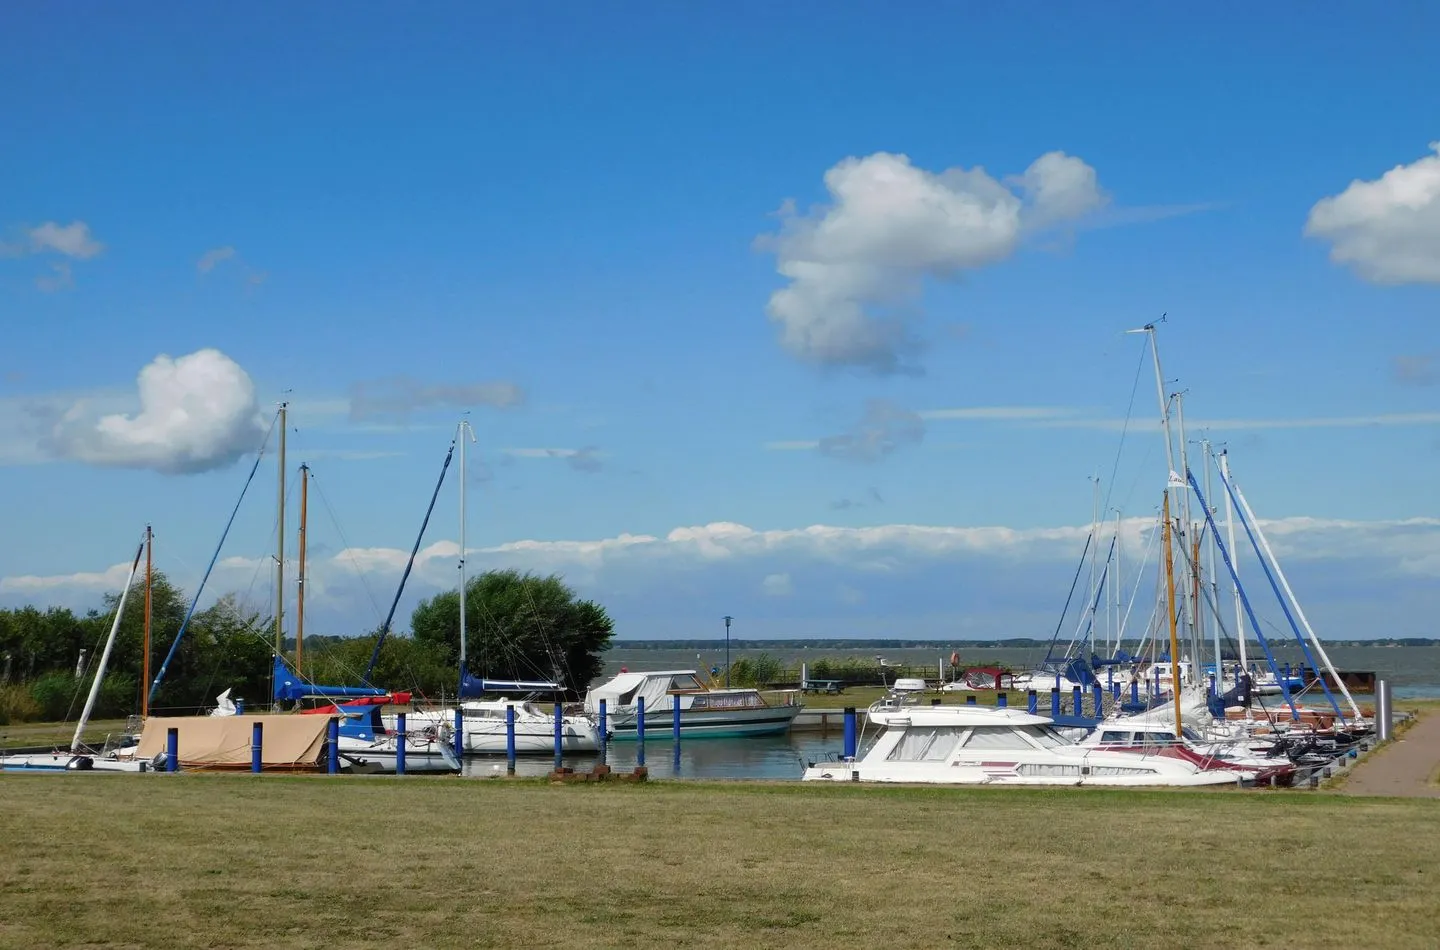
x,y
484,722
78,758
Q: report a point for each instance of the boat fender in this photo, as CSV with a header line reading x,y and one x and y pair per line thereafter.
x,y
84,763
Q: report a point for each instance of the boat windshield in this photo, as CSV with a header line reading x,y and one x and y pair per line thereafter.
x,y
1045,735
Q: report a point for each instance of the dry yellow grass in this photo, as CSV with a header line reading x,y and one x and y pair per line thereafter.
x,y
245,861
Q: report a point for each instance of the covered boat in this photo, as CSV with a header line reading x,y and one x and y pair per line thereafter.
x,y
703,711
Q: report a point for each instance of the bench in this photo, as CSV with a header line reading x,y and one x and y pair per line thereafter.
x,y
830,687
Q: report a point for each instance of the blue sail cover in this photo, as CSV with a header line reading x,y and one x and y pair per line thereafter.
x,y
471,686
290,688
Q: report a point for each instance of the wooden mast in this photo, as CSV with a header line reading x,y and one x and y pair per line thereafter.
x,y
1170,604
300,600
145,651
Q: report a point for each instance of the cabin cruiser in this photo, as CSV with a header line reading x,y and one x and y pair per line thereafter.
x,y
703,711
979,745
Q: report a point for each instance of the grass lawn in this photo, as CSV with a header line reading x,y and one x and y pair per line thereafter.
x,y
273,861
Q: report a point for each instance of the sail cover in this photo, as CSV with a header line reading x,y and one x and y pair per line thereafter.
x,y
225,740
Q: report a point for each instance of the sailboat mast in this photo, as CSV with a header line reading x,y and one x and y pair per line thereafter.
x,y
465,434
1192,612
1170,605
1119,582
1094,551
105,654
300,595
1234,563
280,546
1210,551
145,650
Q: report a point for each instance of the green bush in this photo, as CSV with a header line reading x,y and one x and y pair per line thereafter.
x,y
761,670
59,695
17,705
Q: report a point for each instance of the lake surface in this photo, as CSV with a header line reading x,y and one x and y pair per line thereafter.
x,y
760,757
1413,672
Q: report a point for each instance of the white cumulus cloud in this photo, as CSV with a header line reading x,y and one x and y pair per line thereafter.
x,y
1388,229
853,262
196,412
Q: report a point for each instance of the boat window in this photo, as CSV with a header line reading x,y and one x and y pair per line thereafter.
x,y
1112,737
995,737
687,681
1045,735
944,743
1156,738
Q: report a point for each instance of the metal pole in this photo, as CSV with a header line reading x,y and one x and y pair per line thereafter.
x,y
1384,722
172,749
300,583
510,738
849,733
728,618
332,757
257,740
639,730
280,546
559,734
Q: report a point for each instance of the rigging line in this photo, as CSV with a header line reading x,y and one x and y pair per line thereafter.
x,y
1124,430
1075,580
155,686
349,549
1139,577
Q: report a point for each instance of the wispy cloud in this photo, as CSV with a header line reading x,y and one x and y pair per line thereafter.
x,y
399,396
1421,369
588,459
1000,413
61,277
71,240
212,257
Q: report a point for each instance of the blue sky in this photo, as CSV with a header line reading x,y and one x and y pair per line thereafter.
x,y
579,213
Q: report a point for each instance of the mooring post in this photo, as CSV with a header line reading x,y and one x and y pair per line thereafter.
x,y
849,733
970,700
1213,693
1135,691
1079,700
510,738
1054,702
239,707
639,730
675,719
1001,700
1384,721
559,734
172,749
401,737
1097,694
332,746
257,740
604,728
459,730
1032,702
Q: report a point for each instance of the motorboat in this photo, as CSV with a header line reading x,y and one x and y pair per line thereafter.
x,y
704,712
980,745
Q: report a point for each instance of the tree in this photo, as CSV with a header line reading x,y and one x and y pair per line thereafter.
x,y
404,664
519,626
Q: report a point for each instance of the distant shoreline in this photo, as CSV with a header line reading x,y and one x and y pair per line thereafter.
x,y
1018,643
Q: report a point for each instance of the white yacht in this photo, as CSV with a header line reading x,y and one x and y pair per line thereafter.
x,y
979,745
703,711
484,726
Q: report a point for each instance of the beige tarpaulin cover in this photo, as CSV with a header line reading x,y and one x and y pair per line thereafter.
x,y
225,740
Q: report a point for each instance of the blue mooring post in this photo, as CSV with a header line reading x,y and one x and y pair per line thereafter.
x,y
401,737
510,738
1114,690
257,740
850,732
1098,694
239,707
1135,691
604,732
639,730
675,720
971,700
332,746
1212,685
1032,702
1077,697
559,734
459,732
1054,703
1001,700
172,749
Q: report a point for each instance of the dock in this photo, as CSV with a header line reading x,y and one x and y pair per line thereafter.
x,y
1405,767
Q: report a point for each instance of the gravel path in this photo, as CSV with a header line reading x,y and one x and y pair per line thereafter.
x,y
1405,767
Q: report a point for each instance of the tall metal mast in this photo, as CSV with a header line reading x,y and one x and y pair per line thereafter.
x,y
463,434
1235,564
145,662
300,592
1210,550
1192,608
280,545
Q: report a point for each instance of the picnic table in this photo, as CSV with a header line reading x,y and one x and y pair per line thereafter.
x,y
830,687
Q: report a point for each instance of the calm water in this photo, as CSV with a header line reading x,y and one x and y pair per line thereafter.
x,y
761,757
1414,672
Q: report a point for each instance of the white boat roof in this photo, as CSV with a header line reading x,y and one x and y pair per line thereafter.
x,y
956,715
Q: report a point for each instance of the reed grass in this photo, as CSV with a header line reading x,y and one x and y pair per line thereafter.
x,y
245,862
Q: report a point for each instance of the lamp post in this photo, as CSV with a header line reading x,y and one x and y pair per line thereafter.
x,y
728,618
